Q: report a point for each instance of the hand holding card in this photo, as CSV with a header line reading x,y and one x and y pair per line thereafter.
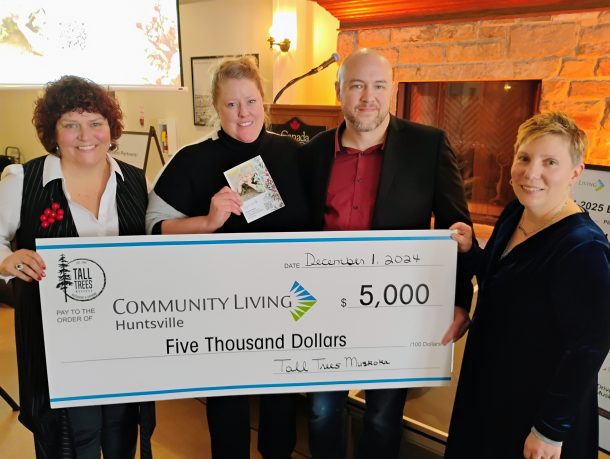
x,y
252,181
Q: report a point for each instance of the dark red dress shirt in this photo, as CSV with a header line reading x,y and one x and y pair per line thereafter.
x,y
352,187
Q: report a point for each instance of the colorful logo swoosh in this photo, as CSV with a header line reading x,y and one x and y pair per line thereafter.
x,y
306,301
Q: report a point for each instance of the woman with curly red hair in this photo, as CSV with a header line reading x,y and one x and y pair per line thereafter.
x,y
76,190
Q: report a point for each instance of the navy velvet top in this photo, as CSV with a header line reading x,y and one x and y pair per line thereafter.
x,y
539,335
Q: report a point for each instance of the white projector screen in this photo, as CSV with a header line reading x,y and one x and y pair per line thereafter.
x,y
120,43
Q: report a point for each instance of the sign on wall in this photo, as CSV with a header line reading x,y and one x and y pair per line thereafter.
x,y
297,129
134,148
592,193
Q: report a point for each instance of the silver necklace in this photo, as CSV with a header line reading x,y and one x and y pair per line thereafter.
x,y
544,225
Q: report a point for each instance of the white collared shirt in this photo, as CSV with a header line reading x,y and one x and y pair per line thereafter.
x,y
87,224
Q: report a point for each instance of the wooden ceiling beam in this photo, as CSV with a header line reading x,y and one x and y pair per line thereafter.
x,y
364,13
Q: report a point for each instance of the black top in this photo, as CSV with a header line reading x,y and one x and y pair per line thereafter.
x,y
195,174
539,335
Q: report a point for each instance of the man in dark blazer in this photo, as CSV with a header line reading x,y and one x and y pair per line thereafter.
x,y
378,172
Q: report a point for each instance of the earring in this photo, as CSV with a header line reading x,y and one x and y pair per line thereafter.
x,y
113,147
510,182
57,151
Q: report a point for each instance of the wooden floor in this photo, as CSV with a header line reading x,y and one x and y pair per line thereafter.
x,y
181,433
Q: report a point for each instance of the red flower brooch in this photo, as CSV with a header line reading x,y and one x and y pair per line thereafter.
x,y
51,215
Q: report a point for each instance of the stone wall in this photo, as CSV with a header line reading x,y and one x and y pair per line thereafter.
x,y
569,53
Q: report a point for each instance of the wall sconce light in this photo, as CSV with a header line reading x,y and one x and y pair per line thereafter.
x,y
284,45
507,86
284,26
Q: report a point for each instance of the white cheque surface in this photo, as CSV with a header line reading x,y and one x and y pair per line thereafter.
x,y
160,317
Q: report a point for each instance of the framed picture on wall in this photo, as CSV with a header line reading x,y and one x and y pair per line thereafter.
x,y
202,70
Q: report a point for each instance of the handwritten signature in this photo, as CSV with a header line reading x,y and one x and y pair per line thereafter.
x,y
324,364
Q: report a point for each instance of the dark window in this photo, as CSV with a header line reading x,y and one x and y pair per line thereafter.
x,y
481,121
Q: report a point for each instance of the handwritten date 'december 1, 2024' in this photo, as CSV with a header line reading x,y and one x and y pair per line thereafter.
x,y
312,260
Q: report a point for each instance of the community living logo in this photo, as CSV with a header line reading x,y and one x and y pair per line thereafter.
x,y
599,185
305,300
80,279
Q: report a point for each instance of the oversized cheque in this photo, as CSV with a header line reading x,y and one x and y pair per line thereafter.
x,y
150,318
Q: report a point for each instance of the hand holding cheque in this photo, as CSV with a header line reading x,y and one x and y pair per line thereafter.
x,y
312,311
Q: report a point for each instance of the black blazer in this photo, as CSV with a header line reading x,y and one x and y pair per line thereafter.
x,y
419,179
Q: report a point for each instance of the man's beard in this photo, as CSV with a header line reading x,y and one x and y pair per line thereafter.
x,y
365,126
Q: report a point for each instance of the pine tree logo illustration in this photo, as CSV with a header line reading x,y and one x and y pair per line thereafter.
x,y
306,301
80,279
64,276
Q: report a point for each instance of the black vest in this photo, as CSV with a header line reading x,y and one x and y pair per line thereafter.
x,y
131,199
51,426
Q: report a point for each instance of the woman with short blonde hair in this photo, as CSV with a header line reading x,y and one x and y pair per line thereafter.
x,y
541,328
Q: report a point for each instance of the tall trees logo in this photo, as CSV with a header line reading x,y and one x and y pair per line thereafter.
x,y
80,279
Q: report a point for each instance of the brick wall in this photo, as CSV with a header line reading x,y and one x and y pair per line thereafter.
x,y
570,53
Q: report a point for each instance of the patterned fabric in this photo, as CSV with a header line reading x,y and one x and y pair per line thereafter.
x,y
52,426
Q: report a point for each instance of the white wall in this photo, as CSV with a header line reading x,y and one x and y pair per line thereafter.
x,y
208,28
16,129
317,40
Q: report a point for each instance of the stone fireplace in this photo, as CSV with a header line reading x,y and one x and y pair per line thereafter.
x,y
481,119
568,55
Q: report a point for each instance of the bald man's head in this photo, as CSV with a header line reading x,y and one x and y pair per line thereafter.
x,y
364,87
361,55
